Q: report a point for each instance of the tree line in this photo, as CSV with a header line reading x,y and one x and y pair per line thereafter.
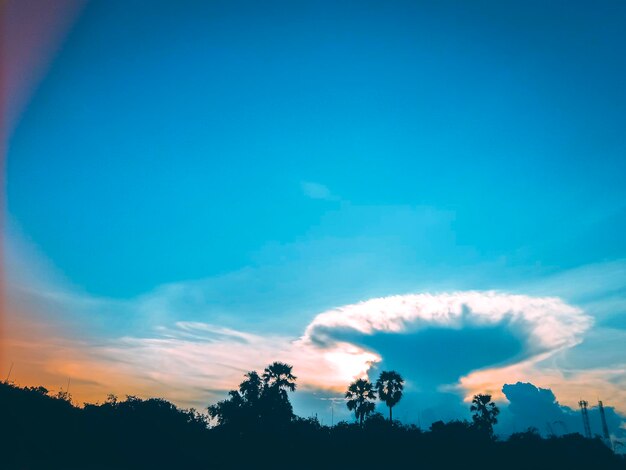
x,y
262,401
255,427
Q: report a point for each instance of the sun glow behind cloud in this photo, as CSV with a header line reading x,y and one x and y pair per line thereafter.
x,y
195,362
161,349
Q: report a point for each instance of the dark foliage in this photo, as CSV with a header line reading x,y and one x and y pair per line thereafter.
x,y
261,403
40,431
389,386
485,414
360,398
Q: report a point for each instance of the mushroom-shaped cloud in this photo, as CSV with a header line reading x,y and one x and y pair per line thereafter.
x,y
450,333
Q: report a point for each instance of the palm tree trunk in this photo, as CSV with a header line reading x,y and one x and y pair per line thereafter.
x,y
390,415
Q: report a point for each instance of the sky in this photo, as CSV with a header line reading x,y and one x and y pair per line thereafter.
x,y
195,189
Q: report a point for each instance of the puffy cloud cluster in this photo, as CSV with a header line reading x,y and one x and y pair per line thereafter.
x,y
531,406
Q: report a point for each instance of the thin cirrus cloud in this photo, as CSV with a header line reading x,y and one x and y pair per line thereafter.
x,y
190,363
317,191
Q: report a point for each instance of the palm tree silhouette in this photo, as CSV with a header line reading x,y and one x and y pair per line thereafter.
x,y
485,413
278,376
275,406
360,397
252,387
389,386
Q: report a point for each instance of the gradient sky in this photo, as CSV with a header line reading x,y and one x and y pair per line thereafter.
x,y
192,176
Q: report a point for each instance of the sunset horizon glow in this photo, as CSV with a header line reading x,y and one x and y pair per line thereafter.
x,y
193,191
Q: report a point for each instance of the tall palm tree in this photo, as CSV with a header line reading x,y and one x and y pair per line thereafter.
x,y
389,386
485,413
278,375
360,397
276,409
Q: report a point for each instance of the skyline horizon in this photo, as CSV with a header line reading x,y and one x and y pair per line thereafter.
x,y
192,190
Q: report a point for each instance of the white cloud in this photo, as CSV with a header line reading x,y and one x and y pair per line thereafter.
x,y
547,322
316,191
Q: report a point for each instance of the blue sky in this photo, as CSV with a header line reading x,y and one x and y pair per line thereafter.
x,y
251,165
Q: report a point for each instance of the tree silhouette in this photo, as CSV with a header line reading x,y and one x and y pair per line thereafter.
x,y
261,401
389,386
278,375
485,413
276,410
360,397
229,411
252,387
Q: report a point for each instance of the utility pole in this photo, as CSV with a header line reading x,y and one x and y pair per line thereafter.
x,y
6,381
605,428
583,409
